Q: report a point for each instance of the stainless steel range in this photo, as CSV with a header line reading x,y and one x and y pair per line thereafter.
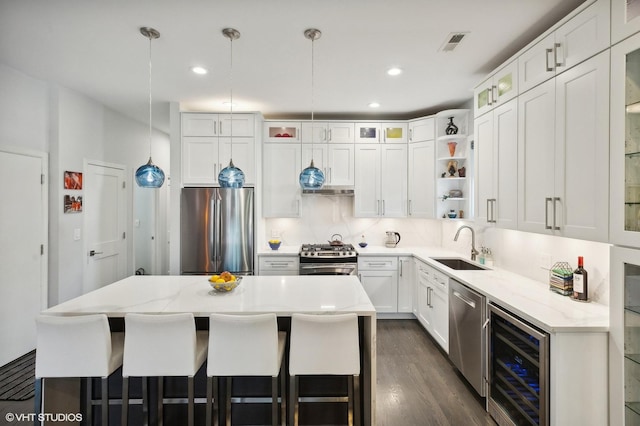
x,y
328,259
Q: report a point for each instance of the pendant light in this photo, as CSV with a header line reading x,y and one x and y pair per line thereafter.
x,y
231,176
149,175
312,177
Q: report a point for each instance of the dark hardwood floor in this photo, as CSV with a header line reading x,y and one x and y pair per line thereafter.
x,y
417,385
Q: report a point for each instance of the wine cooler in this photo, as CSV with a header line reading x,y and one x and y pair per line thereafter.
x,y
518,370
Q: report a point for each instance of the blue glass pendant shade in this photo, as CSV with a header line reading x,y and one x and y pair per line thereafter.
x,y
231,177
311,177
149,175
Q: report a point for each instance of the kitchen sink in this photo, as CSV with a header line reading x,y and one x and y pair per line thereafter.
x,y
459,264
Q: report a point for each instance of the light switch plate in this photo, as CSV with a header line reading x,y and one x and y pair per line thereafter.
x,y
76,234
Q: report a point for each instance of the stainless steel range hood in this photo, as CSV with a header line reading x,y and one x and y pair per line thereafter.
x,y
345,191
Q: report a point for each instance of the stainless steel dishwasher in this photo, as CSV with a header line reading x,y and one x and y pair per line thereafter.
x,y
467,333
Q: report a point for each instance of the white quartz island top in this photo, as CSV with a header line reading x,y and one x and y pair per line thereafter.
x,y
529,299
282,295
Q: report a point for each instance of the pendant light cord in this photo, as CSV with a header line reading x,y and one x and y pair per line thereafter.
x,y
231,99
150,98
312,94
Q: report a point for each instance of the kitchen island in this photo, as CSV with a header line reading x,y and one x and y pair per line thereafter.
x,y
282,295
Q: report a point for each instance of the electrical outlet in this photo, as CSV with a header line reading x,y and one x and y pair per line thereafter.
x,y
545,261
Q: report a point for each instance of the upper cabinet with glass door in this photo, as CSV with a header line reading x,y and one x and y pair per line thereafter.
x,y
385,132
282,131
625,142
625,19
499,88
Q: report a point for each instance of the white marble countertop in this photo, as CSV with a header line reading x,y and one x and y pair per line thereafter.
x,y
282,295
529,299
282,251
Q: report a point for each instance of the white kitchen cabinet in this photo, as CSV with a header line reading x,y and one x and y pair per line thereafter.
x,y
406,283
199,124
563,150
385,132
423,129
331,132
206,151
337,162
281,194
278,265
379,278
496,168
204,156
380,180
206,124
433,302
625,19
581,37
282,131
421,179
497,89
453,171
242,125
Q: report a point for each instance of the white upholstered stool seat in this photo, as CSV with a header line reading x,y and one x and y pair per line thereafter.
x,y
245,345
77,346
161,346
325,345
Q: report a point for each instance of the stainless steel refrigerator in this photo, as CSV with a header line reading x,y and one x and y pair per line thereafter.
x,y
217,230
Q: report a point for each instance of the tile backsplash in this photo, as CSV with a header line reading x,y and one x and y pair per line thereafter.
x,y
523,253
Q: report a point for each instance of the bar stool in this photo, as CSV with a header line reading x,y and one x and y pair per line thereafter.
x,y
79,346
159,346
245,345
325,345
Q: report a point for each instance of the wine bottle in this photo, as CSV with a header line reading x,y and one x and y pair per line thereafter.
x,y
580,288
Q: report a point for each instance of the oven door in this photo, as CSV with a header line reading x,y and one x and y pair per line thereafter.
x,y
328,268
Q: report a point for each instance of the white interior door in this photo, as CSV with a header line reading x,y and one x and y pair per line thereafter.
x,y
105,221
23,260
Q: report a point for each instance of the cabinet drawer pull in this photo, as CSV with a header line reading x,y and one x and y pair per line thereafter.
x,y
558,48
494,94
555,200
546,213
546,59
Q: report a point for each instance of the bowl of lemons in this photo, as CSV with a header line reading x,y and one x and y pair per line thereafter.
x,y
224,282
274,244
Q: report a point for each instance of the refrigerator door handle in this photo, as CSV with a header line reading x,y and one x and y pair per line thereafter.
x,y
213,250
217,221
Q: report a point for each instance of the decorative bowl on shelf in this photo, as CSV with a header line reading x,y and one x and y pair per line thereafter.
x,y
274,244
224,283
363,244
452,214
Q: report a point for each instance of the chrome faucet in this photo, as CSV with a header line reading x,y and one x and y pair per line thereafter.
x,y
474,252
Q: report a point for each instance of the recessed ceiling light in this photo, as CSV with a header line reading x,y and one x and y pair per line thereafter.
x,y
374,105
199,70
394,71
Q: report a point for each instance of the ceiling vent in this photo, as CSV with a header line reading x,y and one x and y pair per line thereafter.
x,y
453,40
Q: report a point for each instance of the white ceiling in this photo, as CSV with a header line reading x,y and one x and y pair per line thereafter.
x,y
95,47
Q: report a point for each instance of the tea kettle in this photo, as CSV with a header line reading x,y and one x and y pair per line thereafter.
x,y
392,240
